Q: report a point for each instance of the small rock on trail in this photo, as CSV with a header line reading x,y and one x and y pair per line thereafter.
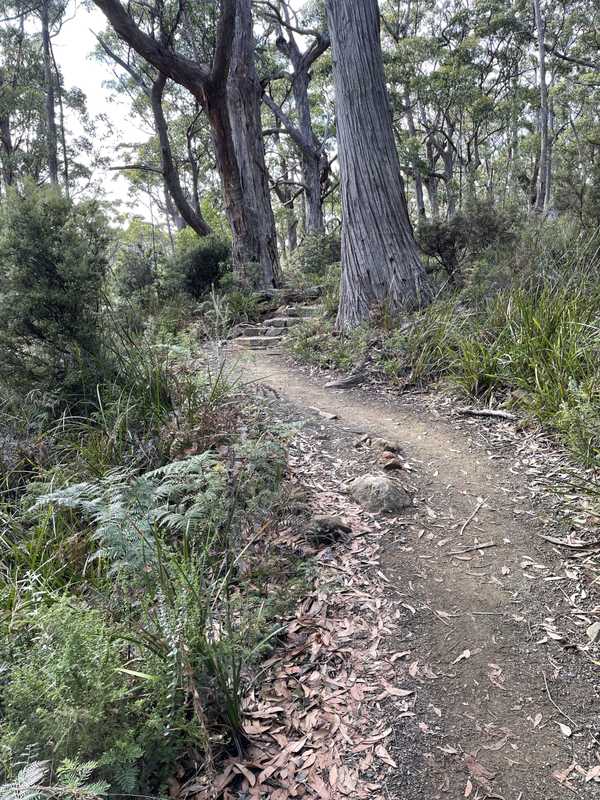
x,y
380,493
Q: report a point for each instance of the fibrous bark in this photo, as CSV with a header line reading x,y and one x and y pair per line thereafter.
x,y
380,262
244,93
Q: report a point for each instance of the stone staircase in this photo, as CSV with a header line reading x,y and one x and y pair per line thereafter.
x,y
272,330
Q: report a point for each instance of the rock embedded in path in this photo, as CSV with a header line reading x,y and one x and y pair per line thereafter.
x,y
380,493
379,443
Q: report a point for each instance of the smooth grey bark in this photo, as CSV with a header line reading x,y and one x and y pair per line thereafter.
x,y
51,134
244,95
544,150
417,177
380,262
313,159
191,215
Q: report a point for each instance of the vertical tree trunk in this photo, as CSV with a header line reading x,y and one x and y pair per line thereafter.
x,y
6,141
310,156
51,135
192,216
549,158
543,164
380,262
258,240
448,158
415,164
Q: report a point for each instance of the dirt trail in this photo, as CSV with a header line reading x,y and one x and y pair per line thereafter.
x,y
494,670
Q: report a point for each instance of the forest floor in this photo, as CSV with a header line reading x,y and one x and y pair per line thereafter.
x,y
446,652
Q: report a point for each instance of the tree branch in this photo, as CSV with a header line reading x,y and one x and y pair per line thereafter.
x,y
192,75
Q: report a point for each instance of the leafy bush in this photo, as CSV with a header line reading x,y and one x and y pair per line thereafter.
x,y
66,692
194,269
315,253
468,234
315,342
140,258
331,289
53,256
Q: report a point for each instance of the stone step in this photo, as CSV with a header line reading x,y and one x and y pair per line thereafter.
x,y
257,342
282,322
311,311
247,330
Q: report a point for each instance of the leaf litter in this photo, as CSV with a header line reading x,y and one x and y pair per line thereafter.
x,y
311,725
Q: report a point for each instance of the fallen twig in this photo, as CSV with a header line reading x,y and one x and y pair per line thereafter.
x,y
486,412
470,549
579,545
560,711
472,517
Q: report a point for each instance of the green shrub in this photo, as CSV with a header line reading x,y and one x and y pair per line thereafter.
x,y
331,289
53,258
193,270
67,694
315,342
469,234
315,253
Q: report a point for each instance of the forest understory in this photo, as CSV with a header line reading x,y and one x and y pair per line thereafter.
x,y
299,399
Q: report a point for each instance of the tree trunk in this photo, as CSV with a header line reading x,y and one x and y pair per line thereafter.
x,y
170,174
6,141
258,241
543,164
380,262
418,178
310,156
239,153
51,134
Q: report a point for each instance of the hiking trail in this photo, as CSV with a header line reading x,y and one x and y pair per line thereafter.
x,y
464,645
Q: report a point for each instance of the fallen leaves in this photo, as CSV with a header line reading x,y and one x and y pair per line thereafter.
x,y
310,724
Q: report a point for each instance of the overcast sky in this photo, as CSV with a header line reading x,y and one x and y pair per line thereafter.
x,y
72,48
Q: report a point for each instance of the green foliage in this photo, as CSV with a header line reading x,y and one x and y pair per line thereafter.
x,y
74,781
331,289
53,257
197,266
64,692
316,342
468,234
139,260
316,253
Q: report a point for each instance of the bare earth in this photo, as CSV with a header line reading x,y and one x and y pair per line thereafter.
x,y
489,620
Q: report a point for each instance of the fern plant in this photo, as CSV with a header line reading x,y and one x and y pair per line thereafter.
x,y
73,782
128,511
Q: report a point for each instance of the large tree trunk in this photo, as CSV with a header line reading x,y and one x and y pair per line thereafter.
x,y
380,263
51,134
244,93
170,174
544,150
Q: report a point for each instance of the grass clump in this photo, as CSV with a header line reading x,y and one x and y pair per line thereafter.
x,y
524,337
